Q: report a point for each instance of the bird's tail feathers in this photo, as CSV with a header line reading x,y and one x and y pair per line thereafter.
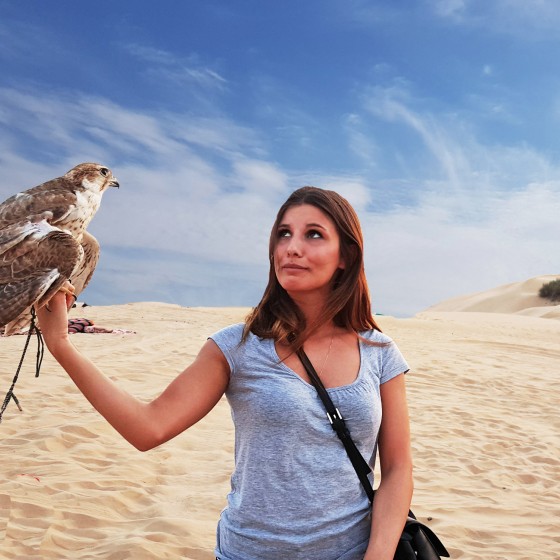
x,y
17,299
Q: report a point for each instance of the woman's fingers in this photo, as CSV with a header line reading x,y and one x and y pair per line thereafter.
x,y
53,317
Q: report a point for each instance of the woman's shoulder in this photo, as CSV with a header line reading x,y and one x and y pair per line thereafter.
x,y
373,335
238,351
385,353
231,333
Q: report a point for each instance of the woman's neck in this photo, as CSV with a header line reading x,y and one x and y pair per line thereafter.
x,y
311,306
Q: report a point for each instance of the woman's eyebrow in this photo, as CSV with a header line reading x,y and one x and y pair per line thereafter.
x,y
310,225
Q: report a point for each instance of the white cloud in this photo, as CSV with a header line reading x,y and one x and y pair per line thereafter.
x,y
258,176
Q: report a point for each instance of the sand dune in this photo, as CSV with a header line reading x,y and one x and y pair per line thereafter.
x,y
483,393
519,297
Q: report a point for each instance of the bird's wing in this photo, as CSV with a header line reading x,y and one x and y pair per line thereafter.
x,y
84,270
33,269
12,236
54,196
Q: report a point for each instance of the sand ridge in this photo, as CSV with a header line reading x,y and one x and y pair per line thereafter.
x,y
519,297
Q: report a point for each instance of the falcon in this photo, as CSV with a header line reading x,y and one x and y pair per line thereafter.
x,y
44,242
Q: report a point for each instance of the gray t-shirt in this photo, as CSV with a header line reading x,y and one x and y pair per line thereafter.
x,y
294,492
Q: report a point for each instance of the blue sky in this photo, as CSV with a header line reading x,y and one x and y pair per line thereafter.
x,y
438,119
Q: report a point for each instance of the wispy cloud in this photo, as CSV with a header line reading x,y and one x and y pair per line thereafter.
x,y
364,12
519,17
388,104
452,9
187,70
23,41
359,141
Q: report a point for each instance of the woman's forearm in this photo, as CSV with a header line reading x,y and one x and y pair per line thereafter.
x,y
128,415
187,399
390,510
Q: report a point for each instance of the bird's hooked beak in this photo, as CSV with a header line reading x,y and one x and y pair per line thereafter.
x,y
113,183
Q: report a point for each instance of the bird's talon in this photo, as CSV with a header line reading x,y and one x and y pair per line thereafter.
x,y
69,291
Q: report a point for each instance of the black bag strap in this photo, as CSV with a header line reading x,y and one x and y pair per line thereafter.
x,y
339,426
426,544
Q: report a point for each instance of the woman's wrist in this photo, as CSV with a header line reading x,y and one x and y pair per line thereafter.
x,y
372,555
59,346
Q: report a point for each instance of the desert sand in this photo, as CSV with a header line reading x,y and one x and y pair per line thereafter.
x,y
483,391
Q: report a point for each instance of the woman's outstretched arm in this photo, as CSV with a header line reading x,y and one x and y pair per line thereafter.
x,y
184,402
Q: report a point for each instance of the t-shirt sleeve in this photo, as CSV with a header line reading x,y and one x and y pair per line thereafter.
x,y
393,362
388,360
228,340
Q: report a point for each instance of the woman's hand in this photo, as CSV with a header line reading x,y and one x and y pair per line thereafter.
x,y
53,317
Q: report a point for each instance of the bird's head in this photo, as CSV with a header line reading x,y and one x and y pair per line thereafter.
x,y
92,176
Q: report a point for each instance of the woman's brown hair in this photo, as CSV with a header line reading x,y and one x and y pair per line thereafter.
x,y
278,317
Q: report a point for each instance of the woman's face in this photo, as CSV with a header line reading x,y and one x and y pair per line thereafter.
x,y
307,252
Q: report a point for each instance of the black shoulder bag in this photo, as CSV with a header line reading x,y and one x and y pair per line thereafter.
x,y
417,542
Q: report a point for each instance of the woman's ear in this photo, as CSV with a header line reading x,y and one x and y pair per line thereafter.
x,y
341,261
349,255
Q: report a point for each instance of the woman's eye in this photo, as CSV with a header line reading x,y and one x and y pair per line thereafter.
x,y
284,233
314,234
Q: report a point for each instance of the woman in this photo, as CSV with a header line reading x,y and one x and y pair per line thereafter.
x,y
294,491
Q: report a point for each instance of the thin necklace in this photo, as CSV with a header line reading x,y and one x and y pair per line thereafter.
x,y
328,352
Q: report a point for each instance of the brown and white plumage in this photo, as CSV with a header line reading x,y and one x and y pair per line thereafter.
x,y
44,242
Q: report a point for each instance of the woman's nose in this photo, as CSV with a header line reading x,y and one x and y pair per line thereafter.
x,y
293,248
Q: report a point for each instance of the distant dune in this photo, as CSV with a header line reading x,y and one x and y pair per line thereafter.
x,y
521,298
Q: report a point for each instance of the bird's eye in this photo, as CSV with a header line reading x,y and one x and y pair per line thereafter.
x,y
104,171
